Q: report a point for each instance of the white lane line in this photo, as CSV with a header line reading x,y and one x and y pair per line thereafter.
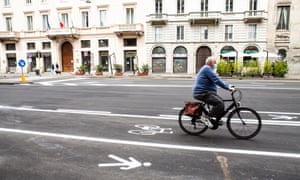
x,y
264,121
63,80
107,113
70,84
156,145
139,85
49,83
261,112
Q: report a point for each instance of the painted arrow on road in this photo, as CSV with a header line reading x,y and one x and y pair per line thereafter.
x,y
124,164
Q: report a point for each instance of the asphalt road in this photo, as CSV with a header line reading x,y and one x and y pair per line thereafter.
x,y
92,128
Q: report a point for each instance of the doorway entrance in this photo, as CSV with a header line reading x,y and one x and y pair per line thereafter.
x,y
67,57
202,53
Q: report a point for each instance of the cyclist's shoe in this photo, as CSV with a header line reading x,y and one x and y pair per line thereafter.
x,y
215,123
206,121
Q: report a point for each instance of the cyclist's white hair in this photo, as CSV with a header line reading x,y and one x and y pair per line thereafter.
x,y
210,59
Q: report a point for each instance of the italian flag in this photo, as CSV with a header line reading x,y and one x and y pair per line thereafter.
x,y
61,24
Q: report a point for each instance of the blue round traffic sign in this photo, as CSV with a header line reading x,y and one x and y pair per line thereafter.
x,y
21,63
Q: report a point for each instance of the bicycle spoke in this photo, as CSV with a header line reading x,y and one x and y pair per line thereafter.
x,y
244,123
191,125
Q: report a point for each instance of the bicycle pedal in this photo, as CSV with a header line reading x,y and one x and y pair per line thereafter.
x,y
220,123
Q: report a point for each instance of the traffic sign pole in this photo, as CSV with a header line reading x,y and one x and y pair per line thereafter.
x,y
22,63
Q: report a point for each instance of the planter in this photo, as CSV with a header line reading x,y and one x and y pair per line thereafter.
x,y
99,73
142,73
118,74
80,72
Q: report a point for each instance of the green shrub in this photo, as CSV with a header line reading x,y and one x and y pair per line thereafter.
x,y
280,68
267,67
145,68
223,68
252,68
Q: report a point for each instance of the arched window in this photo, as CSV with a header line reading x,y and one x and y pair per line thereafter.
x,y
158,60
249,50
228,53
180,60
282,53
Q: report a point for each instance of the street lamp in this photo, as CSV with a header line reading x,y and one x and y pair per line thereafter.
x,y
267,54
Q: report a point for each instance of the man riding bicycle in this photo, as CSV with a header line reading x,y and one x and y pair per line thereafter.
x,y
205,89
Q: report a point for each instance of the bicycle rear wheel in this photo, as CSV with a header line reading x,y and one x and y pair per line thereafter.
x,y
244,123
191,125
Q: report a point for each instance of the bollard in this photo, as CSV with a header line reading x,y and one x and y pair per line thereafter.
x,y
23,78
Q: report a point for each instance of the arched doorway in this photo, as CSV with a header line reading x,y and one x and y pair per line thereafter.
x,y
202,53
67,57
180,60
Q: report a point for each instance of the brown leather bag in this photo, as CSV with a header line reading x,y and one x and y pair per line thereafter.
x,y
192,108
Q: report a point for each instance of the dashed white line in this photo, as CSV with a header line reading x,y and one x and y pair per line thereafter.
x,y
107,113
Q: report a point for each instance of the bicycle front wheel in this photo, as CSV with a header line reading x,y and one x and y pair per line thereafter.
x,y
244,123
191,124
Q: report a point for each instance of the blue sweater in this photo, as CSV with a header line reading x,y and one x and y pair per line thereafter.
x,y
207,80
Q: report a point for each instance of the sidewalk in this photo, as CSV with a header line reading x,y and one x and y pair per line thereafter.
x,y
11,79
15,78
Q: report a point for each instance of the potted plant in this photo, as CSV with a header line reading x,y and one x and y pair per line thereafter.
x,y
144,70
99,70
280,68
118,68
267,68
81,70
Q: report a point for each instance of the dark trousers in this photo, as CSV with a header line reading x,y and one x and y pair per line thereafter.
x,y
213,99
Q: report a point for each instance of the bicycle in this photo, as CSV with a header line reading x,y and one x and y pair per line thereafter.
x,y
242,122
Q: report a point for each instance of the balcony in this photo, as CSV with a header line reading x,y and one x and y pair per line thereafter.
x,y
254,16
9,36
204,17
282,37
158,19
128,29
62,33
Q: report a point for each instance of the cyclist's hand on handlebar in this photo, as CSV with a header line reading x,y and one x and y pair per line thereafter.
x,y
231,88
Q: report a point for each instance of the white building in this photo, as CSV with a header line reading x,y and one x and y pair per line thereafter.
x,y
182,33
283,33
70,33
172,36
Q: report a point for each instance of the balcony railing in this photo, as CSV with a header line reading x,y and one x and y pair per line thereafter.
x,y
9,36
254,16
128,29
62,33
158,19
204,17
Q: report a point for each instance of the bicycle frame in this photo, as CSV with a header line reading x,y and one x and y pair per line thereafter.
x,y
234,104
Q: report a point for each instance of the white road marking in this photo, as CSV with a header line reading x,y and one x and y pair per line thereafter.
x,y
156,145
70,84
125,164
107,113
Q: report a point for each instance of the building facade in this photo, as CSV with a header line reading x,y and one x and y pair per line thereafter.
x,y
70,33
283,35
181,34
171,36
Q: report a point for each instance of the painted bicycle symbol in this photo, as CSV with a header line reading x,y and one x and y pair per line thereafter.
x,y
146,129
